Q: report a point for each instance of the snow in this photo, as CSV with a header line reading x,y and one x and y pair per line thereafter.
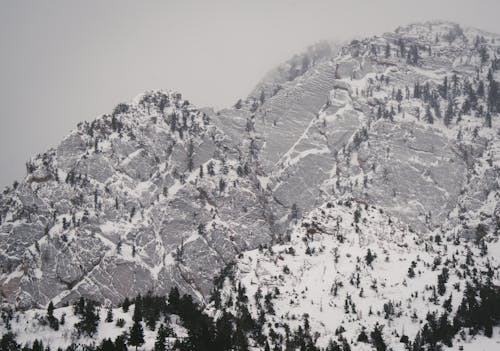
x,y
27,325
306,281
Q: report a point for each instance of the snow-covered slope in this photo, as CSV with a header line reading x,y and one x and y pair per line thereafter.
x,y
350,266
33,325
144,199
404,127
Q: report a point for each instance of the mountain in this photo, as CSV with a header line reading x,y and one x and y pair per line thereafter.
x,y
142,199
357,184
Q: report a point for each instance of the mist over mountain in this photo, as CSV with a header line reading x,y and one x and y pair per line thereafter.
x,y
350,201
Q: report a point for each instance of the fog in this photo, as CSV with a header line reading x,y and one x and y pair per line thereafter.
x,y
66,61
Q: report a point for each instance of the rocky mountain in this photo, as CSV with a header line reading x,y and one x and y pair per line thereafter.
x,y
351,277
350,269
146,198
403,126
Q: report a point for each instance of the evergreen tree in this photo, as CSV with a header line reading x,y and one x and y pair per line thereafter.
x,y
120,343
411,272
443,89
428,115
8,342
174,297
493,96
442,279
369,258
487,120
447,304
387,50
53,321
224,331
50,310
161,339
480,89
37,345
137,316
107,345
136,337
363,337
79,306
448,116
267,347
126,305
109,315
416,91
377,338
89,320
399,95
413,55
402,48
262,96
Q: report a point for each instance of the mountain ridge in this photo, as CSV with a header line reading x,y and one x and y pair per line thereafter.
x,y
229,181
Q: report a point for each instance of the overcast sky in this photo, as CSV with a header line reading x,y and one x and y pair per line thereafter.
x,y
66,61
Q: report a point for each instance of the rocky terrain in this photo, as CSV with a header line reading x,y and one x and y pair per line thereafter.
x,y
349,272
160,193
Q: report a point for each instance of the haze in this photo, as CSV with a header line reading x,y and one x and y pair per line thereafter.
x,y
63,62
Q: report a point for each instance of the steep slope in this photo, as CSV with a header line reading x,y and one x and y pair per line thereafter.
x,y
350,278
143,199
402,123
350,267
161,194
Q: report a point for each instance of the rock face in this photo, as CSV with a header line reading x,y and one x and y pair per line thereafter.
x,y
159,193
143,199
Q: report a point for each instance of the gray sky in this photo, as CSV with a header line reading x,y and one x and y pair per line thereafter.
x,y
66,61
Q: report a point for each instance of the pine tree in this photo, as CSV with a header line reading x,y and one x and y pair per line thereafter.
x,y
411,272
399,95
442,279
224,331
137,316
428,115
483,53
448,116
377,338
161,339
37,345
262,96
136,337
387,50
402,49
267,347
190,156
89,320
447,304
493,96
53,321
487,120
363,337
109,315
416,91
8,342
480,89
295,212
50,310
240,341
369,258
107,345
126,305
443,89
413,55
173,298
120,343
